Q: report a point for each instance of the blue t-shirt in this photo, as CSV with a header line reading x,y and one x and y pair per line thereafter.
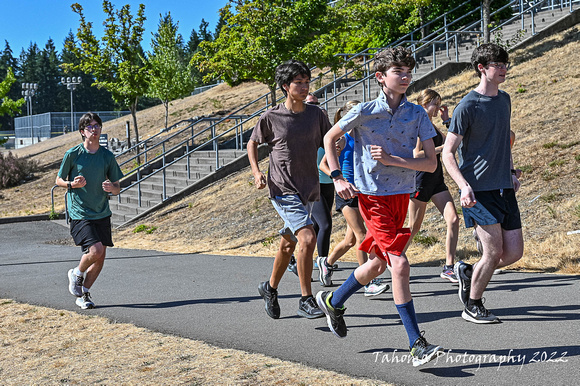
x,y
90,202
374,123
346,160
484,153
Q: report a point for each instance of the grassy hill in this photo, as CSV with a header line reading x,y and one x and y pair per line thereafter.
x,y
232,217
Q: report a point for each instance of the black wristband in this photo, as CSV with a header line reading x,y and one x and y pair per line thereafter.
x,y
69,185
514,172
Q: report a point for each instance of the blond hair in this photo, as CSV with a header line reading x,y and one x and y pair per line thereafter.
x,y
347,106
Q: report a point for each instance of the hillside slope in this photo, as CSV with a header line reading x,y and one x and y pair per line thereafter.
x,y
232,217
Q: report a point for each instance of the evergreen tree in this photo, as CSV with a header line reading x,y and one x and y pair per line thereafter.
x,y
48,80
169,76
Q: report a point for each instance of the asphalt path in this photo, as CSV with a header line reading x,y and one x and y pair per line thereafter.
x,y
214,299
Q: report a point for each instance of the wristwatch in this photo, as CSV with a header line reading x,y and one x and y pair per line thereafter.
x,y
335,174
69,185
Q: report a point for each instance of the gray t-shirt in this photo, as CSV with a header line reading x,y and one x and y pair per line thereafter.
x,y
373,123
484,153
294,140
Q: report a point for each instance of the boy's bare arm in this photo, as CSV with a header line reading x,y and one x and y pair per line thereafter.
x,y
452,142
343,188
426,164
259,177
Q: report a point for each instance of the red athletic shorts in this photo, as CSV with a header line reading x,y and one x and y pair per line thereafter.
x,y
384,217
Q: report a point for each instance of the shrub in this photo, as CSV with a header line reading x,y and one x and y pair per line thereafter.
x,y
13,170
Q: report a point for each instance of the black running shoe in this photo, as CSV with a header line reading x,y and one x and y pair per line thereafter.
x,y
271,300
479,314
333,315
309,309
422,352
463,272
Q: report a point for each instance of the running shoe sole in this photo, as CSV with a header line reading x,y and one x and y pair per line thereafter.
x,y
470,318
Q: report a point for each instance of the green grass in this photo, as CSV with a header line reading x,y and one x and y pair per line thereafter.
x,y
424,239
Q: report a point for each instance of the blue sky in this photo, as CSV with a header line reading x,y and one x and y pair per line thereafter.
x,y
26,21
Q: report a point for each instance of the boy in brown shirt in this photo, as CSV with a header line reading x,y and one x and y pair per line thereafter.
x,y
294,131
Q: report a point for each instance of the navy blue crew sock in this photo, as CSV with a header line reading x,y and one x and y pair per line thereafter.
x,y
407,314
345,291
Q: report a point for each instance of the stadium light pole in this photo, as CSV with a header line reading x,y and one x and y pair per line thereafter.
x,y
28,91
71,84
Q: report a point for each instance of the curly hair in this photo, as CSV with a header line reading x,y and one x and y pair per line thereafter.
x,y
393,56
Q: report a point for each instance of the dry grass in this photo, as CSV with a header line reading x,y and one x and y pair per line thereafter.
x,y
38,345
232,217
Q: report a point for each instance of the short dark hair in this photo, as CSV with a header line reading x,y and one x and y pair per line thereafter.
x,y
287,71
86,120
393,56
489,52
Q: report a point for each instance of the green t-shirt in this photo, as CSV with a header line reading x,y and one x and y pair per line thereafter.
x,y
91,201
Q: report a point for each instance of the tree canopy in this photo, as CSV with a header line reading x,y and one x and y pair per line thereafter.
x,y
117,60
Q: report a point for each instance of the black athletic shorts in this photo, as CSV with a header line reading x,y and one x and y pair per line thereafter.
x,y
341,202
86,233
424,193
494,207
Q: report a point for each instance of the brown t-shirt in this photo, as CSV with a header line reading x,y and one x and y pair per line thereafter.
x,y
294,140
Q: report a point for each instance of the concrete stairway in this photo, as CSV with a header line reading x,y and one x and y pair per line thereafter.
x,y
201,164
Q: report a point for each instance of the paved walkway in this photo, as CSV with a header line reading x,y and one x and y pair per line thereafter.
x,y
215,299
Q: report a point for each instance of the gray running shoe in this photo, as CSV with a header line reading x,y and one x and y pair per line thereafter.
x,y
309,309
375,287
324,272
75,283
479,314
292,267
463,272
85,301
448,274
271,300
334,316
422,352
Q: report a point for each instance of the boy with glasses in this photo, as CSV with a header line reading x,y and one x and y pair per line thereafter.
x,y
385,132
294,132
480,134
87,171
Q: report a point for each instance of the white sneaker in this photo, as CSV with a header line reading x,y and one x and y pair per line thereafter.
x,y
375,287
75,283
85,301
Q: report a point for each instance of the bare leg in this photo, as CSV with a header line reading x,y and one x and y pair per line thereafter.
x,y
306,245
92,263
416,215
372,268
281,260
500,248
444,203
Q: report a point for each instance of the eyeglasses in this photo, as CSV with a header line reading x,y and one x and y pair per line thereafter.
x,y
313,103
93,128
500,66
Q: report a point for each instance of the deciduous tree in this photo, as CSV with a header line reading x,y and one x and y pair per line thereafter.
x,y
117,60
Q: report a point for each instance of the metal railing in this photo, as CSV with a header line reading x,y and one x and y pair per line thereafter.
x,y
353,65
